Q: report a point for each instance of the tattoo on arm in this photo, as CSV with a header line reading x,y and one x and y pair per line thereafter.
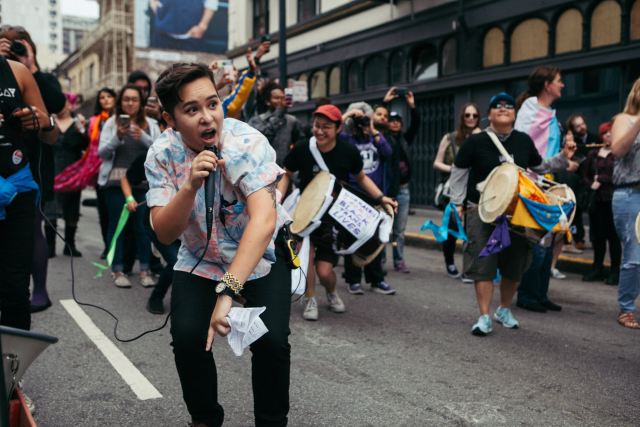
x,y
271,188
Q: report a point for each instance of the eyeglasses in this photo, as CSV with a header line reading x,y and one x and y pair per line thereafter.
x,y
130,99
470,115
505,106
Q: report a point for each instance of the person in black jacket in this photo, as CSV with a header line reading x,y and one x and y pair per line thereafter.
x,y
398,170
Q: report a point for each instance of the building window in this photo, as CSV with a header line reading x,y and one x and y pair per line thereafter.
x,y
334,81
319,85
449,57
260,18
635,21
354,81
307,9
398,67
605,24
425,63
569,32
493,48
529,40
375,72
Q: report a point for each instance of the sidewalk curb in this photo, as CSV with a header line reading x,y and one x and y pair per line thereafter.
x,y
566,263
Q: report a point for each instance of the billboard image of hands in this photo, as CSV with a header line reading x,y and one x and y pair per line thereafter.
x,y
184,25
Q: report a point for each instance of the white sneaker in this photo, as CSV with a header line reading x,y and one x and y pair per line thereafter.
x,y
146,279
121,280
557,274
335,303
310,309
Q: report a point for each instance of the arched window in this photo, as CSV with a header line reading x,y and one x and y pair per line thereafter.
x,y
605,24
493,48
529,40
319,84
334,81
398,67
635,21
354,81
425,63
375,72
569,32
449,57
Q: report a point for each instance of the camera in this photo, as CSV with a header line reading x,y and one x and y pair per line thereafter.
x,y
401,91
124,120
362,121
17,48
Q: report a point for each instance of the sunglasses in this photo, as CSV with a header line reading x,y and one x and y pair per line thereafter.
x,y
470,115
505,106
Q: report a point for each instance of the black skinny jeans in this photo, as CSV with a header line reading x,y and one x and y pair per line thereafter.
x,y
373,272
602,230
192,301
16,252
449,245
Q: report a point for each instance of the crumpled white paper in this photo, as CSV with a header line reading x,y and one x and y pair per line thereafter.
x,y
246,327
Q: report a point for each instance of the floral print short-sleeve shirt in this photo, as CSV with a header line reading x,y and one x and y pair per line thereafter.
x,y
249,166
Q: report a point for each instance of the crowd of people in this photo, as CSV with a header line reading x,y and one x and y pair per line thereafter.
x,y
144,150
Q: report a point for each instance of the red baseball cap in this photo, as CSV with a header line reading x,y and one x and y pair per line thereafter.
x,y
331,112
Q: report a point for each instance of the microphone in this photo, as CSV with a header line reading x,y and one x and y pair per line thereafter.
x,y
210,193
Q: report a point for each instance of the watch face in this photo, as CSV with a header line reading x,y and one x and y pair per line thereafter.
x,y
220,287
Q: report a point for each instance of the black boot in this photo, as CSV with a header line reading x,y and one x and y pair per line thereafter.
x,y
50,234
595,275
613,278
70,245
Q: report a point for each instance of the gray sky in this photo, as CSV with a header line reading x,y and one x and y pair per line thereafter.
x,y
87,8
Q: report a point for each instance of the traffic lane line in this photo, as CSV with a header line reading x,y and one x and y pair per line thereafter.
x,y
140,385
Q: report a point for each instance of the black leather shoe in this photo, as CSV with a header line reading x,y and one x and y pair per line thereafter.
x,y
551,306
538,308
155,306
39,308
595,275
612,279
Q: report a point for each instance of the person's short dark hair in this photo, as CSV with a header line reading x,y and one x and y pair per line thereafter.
x,y
171,80
375,107
136,75
97,109
270,87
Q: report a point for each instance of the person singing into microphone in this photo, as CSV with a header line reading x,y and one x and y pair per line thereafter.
x,y
245,255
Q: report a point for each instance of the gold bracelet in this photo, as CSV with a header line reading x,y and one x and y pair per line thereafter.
x,y
232,282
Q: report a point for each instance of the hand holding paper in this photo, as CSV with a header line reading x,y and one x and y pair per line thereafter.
x,y
246,327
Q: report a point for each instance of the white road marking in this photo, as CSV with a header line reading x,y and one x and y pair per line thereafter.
x,y
129,373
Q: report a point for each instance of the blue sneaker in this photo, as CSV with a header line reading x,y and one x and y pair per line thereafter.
x,y
355,289
504,316
383,288
483,326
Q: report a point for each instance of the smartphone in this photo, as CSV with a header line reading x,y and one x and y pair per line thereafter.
x,y
124,120
152,100
401,91
265,38
288,96
227,68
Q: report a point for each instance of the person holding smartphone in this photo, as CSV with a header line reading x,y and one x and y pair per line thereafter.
x,y
125,136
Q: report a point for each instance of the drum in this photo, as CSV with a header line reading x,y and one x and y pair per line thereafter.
x,y
498,193
559,194
638,227
358,226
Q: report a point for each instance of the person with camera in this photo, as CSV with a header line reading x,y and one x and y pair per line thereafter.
x,y
343,160
469,124
125,136
24,121
16,44
374,151
282,130
399,168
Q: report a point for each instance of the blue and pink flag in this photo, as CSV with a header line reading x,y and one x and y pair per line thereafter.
x,y
541,125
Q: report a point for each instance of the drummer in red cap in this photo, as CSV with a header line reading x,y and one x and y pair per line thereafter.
x,y
341,160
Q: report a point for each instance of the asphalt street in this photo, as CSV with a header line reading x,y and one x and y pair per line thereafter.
x,y
403,360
